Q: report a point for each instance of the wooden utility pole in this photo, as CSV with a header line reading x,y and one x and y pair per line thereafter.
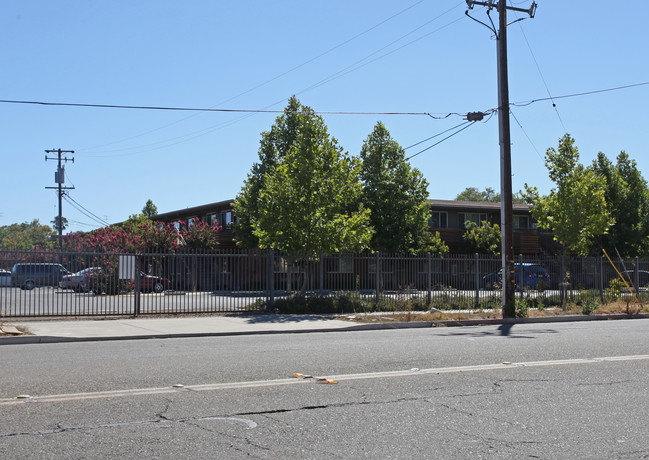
x,y
506,196
59,178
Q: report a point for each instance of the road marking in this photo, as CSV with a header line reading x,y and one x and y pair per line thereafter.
x,y
298,381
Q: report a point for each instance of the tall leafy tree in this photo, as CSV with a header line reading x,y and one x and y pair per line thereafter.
x,y
149,209
55,223
575,210
27,236
483,239
488,194
303,195
474,194
397,195
627,198
274,145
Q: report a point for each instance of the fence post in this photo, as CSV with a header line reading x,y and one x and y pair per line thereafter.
x,y
136,288
601,278
520,274
378,275
477,281
321,273
563,281
271,279
636,276
429,280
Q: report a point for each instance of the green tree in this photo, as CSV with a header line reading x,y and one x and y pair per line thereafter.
x,y
397,196
55,222
627,198
474,194
576,209
27,236
274,145
483,239
149,209
304,193
489,195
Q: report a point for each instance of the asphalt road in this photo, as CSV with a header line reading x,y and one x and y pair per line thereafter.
x,y
570,390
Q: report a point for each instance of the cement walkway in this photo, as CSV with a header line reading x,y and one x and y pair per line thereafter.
x,y
56,330
43,331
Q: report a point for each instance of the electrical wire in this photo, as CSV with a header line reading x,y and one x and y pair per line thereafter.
x,y
528,137
249,112
538,68
359,64
436,135
270,80
102,224
195,109
86,212
81,223
468,123
586,93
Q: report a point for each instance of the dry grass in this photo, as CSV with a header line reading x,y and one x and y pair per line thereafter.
x,y
619,307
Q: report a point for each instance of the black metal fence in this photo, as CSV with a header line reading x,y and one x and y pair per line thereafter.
x,y
100,284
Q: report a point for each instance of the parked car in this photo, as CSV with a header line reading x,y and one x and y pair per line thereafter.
x,y
534,276
150,283
28,276
79,281
5,278
99,283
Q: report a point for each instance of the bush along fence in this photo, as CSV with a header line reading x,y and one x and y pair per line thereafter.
x,y
107,284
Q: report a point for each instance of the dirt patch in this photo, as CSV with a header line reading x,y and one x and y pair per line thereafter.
x,y
618,308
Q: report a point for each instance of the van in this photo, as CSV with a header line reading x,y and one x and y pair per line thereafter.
x,y
28,276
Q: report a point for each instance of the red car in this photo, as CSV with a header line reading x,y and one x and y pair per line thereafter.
x,y
101,283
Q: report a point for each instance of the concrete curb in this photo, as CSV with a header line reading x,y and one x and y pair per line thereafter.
x,y
35,339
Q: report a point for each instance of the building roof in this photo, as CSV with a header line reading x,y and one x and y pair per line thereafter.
x,y
474,205
481,206
193,211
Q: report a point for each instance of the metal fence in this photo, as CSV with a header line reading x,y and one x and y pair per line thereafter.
x,y
99,284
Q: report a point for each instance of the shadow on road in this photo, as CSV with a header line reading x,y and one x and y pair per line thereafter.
x,y
505,328
263,319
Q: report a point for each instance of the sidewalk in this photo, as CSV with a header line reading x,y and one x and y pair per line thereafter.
x,y
56,330
49,331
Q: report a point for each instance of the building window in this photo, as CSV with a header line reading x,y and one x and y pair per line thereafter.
x,y
521,222
438,219
341,263
475,217
226,218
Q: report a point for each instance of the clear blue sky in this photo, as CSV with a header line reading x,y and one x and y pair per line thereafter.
x,y
360,56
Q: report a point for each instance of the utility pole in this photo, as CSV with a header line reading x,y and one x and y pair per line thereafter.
x,y
59,178
506,196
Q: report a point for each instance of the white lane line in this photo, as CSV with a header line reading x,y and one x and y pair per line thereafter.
x,y
302,381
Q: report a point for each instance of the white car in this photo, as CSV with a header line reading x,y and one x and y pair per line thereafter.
x,y
5,278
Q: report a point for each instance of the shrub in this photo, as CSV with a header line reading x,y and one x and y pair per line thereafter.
x,y
522,308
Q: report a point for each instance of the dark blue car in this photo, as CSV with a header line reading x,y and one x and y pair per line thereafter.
x,y
534,276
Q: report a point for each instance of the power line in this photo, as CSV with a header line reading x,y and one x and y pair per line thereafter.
x,y
436,135
468,123
538,68
94,216
339,45
196,109
586,93
83,212
524,132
